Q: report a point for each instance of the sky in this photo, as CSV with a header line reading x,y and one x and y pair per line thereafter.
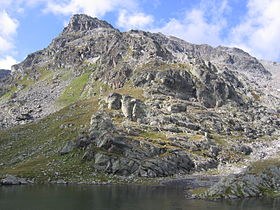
x,y
252,25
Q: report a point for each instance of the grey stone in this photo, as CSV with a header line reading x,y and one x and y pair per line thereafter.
x,y
114,101
13,180
132,108
176,108
69,147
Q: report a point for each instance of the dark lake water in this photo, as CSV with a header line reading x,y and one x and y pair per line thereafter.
x,y
124,197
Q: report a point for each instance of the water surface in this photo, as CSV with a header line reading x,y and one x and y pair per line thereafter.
x,y
116,197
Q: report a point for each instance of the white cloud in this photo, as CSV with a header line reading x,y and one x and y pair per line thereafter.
x,y
5,45
8,27
260,32
134,20
96,8
203,24
7,62
4,4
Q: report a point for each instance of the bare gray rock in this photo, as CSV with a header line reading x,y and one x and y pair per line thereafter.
x,y
13,180
114,101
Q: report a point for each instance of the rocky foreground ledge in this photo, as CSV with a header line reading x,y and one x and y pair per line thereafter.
x,y
249,184
13,180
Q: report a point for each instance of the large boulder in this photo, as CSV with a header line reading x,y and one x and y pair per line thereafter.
x,y
176,108
101,122
13,180
132,108
114,101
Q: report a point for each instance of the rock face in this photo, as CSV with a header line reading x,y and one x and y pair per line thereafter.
x,y
135,104
85,23
246,185
113,152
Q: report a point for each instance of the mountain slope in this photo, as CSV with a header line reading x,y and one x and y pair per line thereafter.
x,y
105,103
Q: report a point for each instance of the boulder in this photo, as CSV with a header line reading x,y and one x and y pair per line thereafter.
x,y
114,101
132,108
69,147
176,108
23,117
13,180
244,149
100,123
127,106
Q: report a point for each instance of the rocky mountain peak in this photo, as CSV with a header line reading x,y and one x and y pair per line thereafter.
x,y
82,22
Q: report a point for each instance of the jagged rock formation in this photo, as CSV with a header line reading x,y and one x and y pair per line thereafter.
x,y
135,104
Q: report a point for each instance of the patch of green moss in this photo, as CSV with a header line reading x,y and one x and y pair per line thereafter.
x,y
128,89
219,139
198,191
153,135
196,137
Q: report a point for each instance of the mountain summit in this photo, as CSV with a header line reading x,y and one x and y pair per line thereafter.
x,y
99,105
81,22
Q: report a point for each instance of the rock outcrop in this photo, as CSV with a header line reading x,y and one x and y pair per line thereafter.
x,y
113,152
13,180
264,183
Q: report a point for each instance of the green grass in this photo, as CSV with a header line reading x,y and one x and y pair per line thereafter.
x,y
97,88
153,135
196,137
45,75
261,165
41,142
198,191
220,139
73,91
128,89
9,94
26,81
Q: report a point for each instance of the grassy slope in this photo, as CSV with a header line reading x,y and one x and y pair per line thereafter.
x,y
32,150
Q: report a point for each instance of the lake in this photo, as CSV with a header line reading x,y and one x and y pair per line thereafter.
x,y
116,197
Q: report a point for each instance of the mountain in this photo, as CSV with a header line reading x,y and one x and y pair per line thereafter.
x,y
99,105
4,73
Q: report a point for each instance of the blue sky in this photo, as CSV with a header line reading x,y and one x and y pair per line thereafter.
x,y
252,25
